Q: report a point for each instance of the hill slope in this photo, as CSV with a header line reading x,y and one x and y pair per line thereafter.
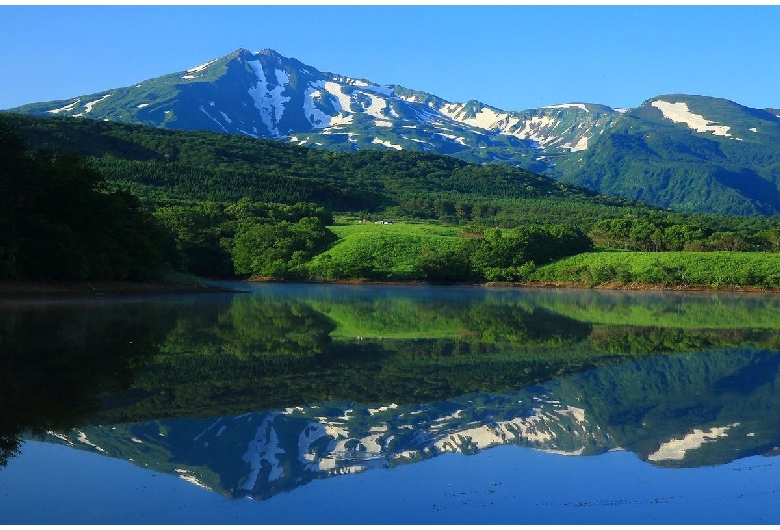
x,y
689,153
156,163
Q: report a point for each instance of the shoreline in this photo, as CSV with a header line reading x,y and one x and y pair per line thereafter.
x,y
539,285
43,288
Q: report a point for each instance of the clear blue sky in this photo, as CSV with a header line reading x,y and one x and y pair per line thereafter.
x,y
513,57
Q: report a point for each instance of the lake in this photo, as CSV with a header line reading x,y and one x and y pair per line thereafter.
x,y
368,404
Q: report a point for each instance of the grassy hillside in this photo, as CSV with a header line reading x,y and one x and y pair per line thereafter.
x,y
399,252
687,269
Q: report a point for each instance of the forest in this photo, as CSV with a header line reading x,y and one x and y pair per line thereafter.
x,y
82,199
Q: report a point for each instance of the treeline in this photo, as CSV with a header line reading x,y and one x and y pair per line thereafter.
x,y
59,221
245,238
694,233
187,165
159,165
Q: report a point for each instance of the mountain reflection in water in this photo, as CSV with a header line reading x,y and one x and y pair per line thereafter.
x,y
257,393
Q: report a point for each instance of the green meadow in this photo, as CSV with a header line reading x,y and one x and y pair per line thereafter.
x,y
401,252
669,269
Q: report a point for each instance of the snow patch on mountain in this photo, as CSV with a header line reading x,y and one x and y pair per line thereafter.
x,y
457,139
204,111
376,107
568,106
385,408
67,108
365,85
88,106
201,67
313,432
537,129
82,437
679,113
316,117
537,428
189,477
264,448
332,429
269,101
425,116
386,144
581,145
676,448
344,101
410,99
484,119
342,119
207,429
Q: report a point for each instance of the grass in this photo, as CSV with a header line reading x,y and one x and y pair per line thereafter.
x,y
397,252
399,229
687,269
382,252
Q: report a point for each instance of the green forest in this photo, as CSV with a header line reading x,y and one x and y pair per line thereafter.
x,y
82,199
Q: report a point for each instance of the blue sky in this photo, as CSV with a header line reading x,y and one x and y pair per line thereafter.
x,y
513,57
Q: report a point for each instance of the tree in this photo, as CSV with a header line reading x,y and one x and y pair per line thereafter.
x,y
15,165
727,241
506,255
279,249
448,265
57,220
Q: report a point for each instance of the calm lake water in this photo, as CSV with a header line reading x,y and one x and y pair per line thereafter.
x,y
335,404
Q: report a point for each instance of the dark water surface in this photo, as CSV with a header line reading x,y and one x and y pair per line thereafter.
x,y
376,404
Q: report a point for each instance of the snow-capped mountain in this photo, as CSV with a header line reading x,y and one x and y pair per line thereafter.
x,y
266,95
686,152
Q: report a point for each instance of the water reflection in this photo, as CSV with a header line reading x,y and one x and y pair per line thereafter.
x,y
252,394
58,357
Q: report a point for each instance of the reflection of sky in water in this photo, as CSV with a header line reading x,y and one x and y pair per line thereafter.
x,y
504,485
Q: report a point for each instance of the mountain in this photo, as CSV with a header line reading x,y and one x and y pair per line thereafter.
x,y
691,153
266,95
685,152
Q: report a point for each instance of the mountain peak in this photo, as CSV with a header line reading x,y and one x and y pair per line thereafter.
x,y
271,53
245,53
